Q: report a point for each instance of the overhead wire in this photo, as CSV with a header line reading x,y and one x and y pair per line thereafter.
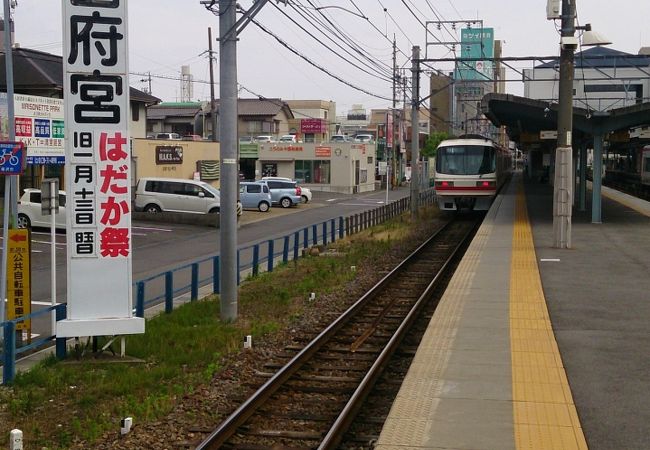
x,y
314,64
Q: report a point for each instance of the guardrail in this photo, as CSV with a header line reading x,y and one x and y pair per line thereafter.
x,y
265,255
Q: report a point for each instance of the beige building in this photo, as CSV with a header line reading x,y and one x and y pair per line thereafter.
x,y
184,160
332,167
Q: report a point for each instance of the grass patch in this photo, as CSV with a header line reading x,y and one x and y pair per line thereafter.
x,y
57,404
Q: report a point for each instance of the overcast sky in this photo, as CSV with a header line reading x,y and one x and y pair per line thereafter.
x,y
166,34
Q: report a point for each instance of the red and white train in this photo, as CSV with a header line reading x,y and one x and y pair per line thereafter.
x,y
469,172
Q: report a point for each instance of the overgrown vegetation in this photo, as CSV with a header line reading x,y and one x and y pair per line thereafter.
x,y
58,402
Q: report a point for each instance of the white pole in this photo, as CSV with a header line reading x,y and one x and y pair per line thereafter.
x,y
53,212
387,179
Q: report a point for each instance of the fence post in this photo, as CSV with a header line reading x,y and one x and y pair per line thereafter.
x,y
195,282
344,227
325,233
169,291
271,256
256,259
296,244
333,230
285,250
139,299
61,313
216,288
305,237
314,232
9,367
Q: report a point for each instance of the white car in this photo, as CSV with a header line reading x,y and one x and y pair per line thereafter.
x,y
364,138
305,193
288,138
30,214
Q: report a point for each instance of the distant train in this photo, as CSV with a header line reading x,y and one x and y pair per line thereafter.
x,y
645,167
469,172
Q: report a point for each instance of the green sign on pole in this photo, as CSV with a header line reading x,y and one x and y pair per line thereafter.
x,y
476,43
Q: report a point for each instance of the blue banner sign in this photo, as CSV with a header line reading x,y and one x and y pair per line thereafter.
x,y
60,160
12,158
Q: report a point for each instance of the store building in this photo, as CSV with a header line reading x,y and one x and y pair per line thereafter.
x,y
332,167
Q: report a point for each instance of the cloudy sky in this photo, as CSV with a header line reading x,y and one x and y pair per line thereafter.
x,y
167,34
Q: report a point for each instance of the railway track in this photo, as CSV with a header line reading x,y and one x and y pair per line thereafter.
x,y
312,399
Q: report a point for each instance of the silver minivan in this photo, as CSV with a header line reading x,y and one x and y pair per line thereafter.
x,y
170,194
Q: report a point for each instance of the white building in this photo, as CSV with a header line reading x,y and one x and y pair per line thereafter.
x,y
604,79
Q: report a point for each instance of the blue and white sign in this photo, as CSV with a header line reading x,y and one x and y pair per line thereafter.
x,y
12,158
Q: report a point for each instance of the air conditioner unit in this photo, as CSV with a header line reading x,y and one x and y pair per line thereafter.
x,y
553,9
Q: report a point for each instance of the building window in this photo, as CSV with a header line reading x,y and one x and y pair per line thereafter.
x,y
313,172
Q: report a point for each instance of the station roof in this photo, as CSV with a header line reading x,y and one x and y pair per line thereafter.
x,y
524,115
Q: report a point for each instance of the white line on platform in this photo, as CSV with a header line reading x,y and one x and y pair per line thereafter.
x,y
550,260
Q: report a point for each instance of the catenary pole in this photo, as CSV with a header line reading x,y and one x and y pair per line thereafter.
x,y
228,157
393,148
563,184
415,132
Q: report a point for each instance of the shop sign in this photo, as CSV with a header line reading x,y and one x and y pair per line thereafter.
x,y
39,124
18,277
169,154
361,147
98,164
286,148
313,126
323,152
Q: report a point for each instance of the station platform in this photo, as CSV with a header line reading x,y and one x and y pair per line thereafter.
x,y
534,347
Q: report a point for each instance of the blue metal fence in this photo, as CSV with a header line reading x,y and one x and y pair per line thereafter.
x,y
165,286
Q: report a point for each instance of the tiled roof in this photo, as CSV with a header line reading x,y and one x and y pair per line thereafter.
x,y
164,110
35,70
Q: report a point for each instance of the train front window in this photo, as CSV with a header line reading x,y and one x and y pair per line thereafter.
x,y
465,160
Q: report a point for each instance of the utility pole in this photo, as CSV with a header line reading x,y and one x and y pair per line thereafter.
x,y
228,138
415,133
11,181
229,29
564,180
213,106
393,149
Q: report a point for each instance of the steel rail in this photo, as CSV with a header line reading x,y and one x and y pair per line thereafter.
x,y
230,425
335,434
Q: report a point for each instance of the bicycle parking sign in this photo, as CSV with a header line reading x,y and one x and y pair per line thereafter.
x,y
12,158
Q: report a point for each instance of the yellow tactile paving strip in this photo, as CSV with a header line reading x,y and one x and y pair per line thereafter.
x,y
545,417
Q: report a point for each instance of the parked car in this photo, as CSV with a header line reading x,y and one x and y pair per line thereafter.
x,y
285,193
305,193
339,138
264,139
288,138
192,137
172,136
364,138
154,195
30,214
255,195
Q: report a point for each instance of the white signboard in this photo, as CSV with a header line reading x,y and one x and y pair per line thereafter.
x,y
38,123
98,165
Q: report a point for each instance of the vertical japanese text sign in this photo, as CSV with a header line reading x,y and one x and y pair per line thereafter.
x,y
98,160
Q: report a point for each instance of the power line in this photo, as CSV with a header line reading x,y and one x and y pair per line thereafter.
x,y
319,67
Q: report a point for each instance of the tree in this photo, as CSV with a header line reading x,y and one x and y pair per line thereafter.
x,y
431,145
